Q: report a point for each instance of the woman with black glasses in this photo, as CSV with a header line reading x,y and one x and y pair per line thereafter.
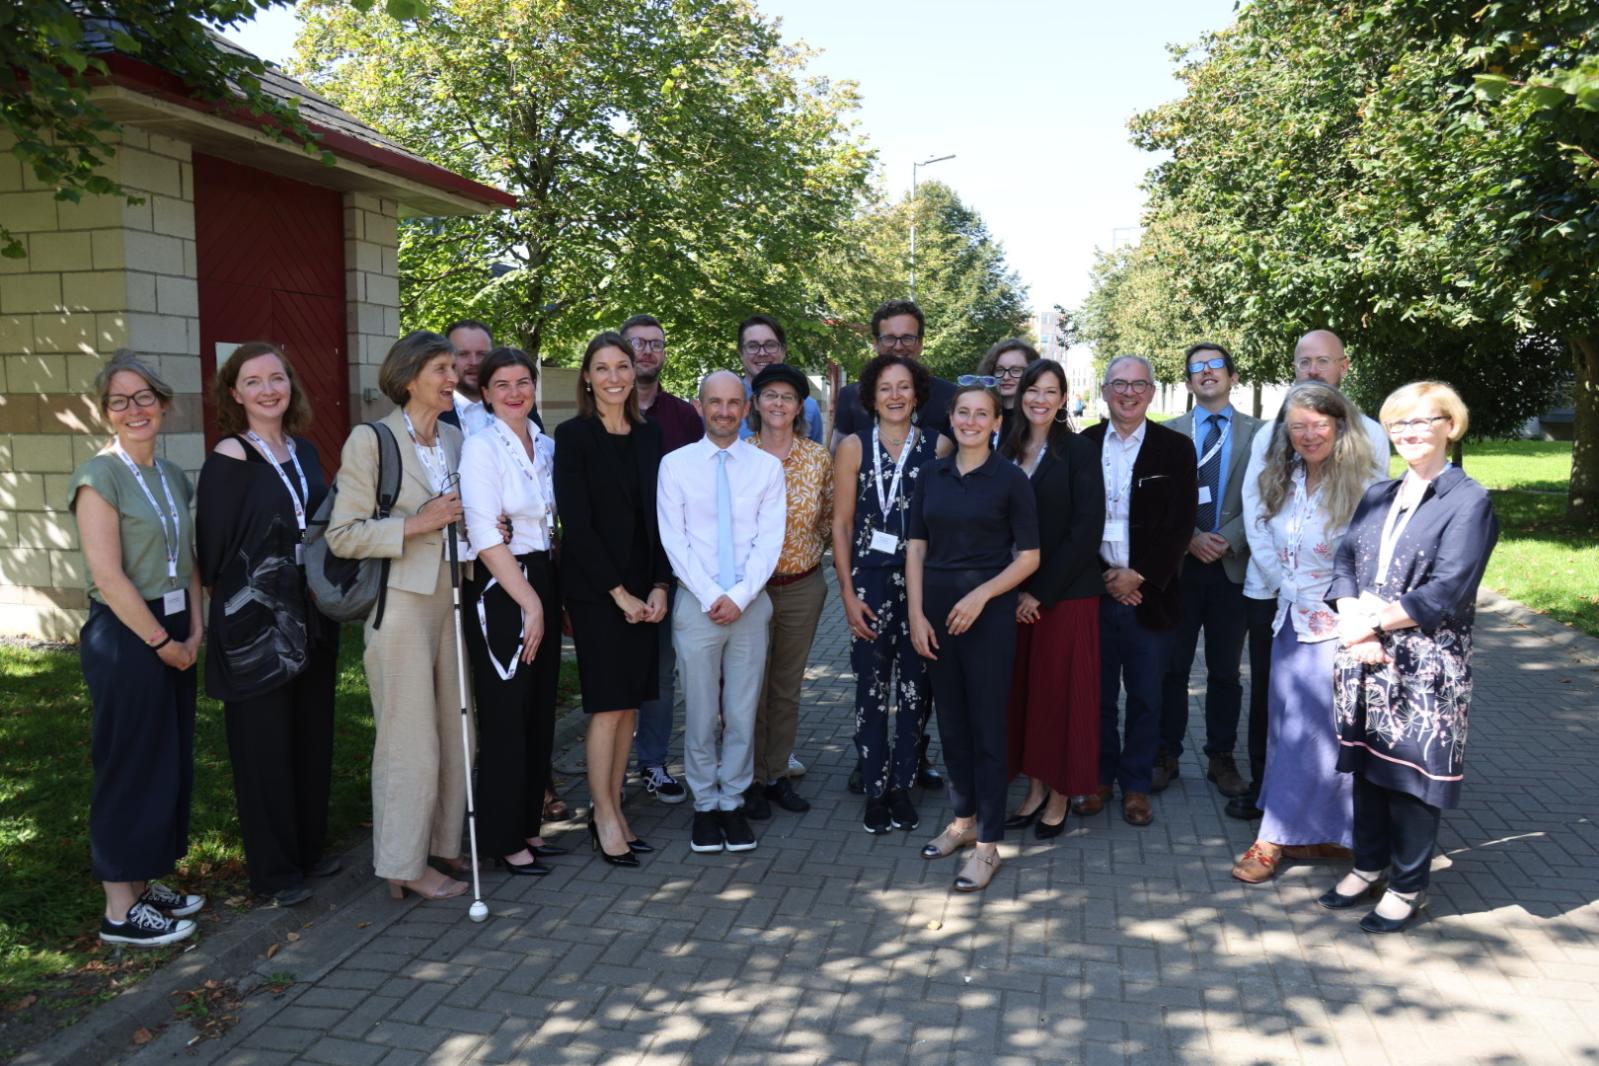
x,y
1005,363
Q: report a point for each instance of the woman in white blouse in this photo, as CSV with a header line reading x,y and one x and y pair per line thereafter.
x,y
1317,467
512,613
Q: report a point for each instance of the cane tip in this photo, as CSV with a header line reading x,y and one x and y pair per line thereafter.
x,y
479,911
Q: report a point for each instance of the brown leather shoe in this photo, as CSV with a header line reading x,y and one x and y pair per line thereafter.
x,y
1259,863
1136,809
1224,772
1164,773
1094,803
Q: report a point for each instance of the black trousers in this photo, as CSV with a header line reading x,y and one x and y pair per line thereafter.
x,y
1394,831
970,682
515,715
1214,604
141,745
281,746
1259,615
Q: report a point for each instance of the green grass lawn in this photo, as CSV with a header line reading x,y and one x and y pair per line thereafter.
x,y
49,904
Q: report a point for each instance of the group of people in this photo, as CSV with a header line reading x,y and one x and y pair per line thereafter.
x,y
1041,589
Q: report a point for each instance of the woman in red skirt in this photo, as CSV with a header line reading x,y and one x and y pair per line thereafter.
x,y
1054,698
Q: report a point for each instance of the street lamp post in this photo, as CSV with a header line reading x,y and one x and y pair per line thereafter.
x,y
914,168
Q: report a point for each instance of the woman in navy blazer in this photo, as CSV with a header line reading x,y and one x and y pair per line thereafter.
x,y
1054,695
614,572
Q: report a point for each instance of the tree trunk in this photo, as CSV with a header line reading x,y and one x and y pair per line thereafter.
x,y
1582,508
1255,389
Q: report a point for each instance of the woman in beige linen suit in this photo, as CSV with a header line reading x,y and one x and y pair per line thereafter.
x,y
418,790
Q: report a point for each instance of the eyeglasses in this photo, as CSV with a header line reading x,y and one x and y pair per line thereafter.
x,y
1137,388
901,340
1415,425
987,380
771,347
1009,371
142,398
1209,364
642,344
1320,362
773,396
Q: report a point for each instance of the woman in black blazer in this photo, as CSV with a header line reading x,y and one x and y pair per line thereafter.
x,y
614,572
1054,698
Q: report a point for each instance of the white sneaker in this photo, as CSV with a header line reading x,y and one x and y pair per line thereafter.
x,y
662,785
173,904
795,767
145,927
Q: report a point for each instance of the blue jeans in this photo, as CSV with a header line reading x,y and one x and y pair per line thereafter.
x,y
654,729
1134,656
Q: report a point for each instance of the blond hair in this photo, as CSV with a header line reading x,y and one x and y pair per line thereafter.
x,y
1406,398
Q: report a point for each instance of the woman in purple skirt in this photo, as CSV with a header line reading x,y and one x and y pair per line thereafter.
x,y
1317,468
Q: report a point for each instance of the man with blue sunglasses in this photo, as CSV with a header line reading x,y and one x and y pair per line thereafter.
x,y
1212,581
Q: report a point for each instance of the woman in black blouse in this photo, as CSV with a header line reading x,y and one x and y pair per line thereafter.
x,y
1405,585
973,537
273,655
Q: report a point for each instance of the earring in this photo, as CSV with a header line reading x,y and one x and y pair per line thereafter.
x,y
915,417
588,388
1062,417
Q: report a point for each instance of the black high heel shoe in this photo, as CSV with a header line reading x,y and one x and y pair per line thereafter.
x,y
627,858
640,846
1376,923
1333,900
1022,821
522,869
1049,830
548,851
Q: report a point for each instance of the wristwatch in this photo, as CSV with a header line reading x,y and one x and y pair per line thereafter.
x,y
1376,625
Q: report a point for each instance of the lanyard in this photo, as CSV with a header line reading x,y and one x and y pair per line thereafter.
x,y
519,456
1393,528
305,492
1299,517
884,500
176,538
1221,439
432,456
505,672
1119,481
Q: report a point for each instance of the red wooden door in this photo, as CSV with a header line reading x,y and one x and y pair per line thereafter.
x,y
269,254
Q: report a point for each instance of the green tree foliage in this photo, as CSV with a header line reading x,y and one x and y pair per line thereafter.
x,y
1418,175
964,285
1134,308
669,156
52,56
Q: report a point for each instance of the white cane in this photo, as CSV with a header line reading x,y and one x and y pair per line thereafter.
x,y
479,911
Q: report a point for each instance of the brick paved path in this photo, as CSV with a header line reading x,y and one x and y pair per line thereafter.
x,y
1110,944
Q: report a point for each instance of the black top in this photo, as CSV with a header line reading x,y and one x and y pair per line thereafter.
x,y
973,521
933,416
869,517
262,625
1070,492
1439,559
605,495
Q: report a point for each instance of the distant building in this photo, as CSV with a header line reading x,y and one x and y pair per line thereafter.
x,y
1078,361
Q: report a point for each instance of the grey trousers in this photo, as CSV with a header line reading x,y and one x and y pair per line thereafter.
x,y
707,656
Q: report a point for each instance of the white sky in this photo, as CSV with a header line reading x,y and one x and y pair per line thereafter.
x,y
1032,97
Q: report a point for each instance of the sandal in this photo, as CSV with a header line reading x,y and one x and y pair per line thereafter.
x,y
555,808
978,871
1258,864
949,841
446,889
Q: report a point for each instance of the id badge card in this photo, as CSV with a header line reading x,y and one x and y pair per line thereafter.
x,y
174,602
299,555
884,542
1116,531
1204,495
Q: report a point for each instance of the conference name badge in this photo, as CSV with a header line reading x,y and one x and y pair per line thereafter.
x,y
174,602
1116,531
884,542
1204,495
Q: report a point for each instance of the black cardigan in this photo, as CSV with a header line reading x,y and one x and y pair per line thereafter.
x,y
261,625
1071,521
596,516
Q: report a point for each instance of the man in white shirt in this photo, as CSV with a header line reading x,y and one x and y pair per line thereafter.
x,y
1319,356
472,341
722,507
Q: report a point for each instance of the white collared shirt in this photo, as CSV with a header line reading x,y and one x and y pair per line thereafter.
x,y
494,482
685,504
474,418
1118,455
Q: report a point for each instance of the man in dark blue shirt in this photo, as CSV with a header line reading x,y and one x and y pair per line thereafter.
x,y
897,329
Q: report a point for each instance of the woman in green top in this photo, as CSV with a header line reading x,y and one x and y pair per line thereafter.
x,y
137,648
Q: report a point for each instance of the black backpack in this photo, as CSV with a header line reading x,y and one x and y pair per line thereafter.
x,y
347,590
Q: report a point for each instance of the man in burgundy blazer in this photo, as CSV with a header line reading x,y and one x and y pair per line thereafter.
x,y
1151,496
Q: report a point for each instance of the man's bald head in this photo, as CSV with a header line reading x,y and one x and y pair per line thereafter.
x,y
722,405
1320,356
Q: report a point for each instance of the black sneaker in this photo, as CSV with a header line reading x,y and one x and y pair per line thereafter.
x,y
878,819
707,834
927,775
782,793
736,831
292,896
172,904
901,810
145,927
662,785
756,805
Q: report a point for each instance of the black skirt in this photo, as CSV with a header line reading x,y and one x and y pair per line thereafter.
x,y
141,745
618,664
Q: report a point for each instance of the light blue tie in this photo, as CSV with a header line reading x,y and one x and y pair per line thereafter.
x,y
725,569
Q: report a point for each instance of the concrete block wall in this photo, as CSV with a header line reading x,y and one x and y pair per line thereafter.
x,y
99,275
371,295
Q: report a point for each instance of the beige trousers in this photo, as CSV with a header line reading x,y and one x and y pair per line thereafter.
x,y
418,772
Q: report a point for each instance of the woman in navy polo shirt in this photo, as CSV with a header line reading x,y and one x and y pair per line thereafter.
x,y
973,532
